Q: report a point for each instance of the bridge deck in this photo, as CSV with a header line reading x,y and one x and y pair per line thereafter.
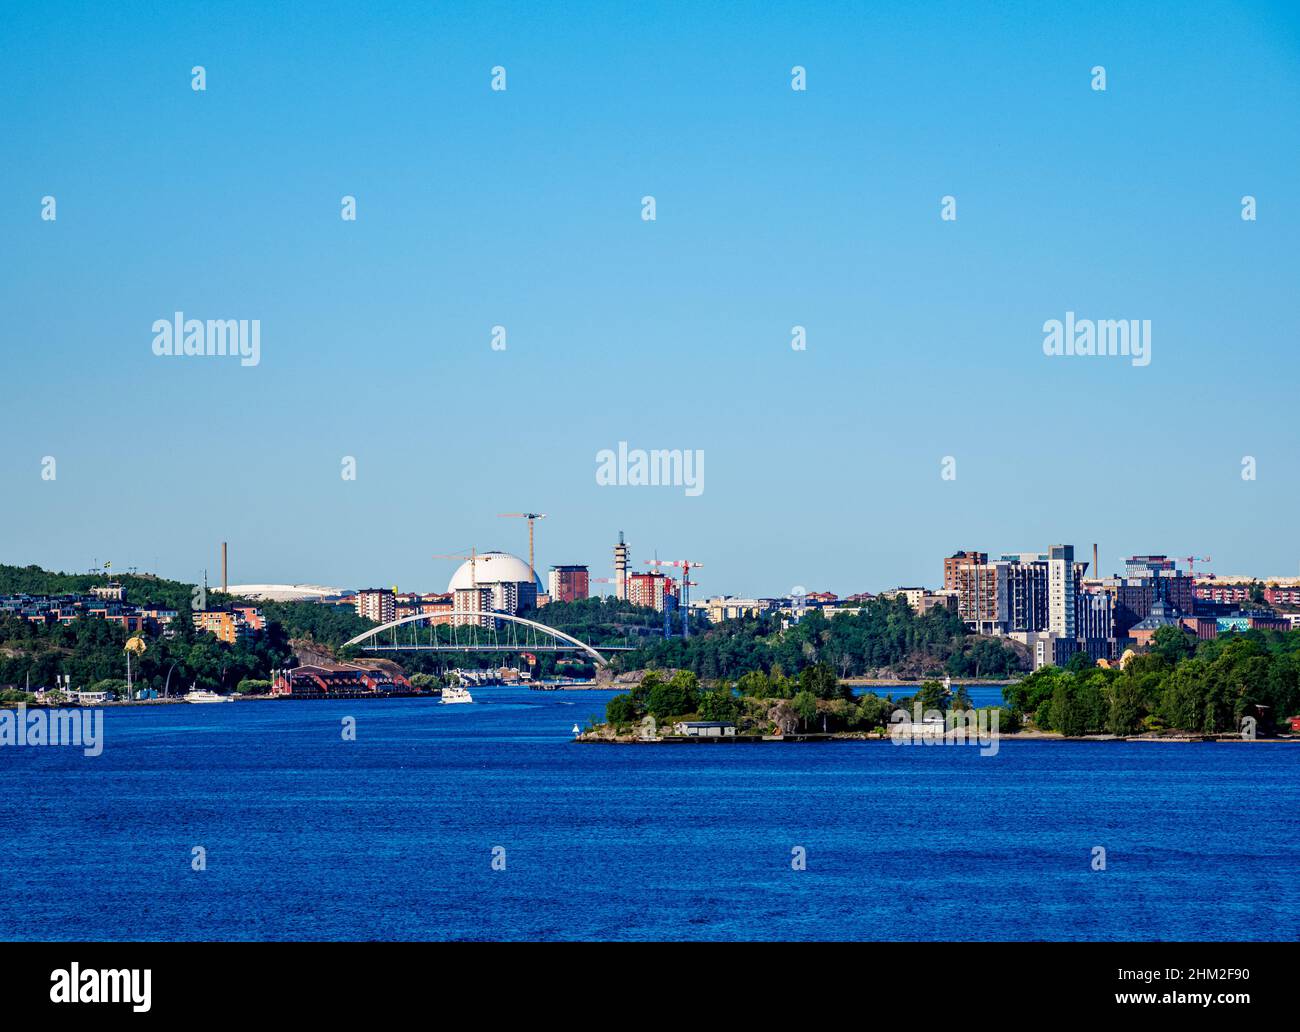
x,y
493,648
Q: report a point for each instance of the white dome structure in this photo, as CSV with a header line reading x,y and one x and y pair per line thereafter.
x,y
493,568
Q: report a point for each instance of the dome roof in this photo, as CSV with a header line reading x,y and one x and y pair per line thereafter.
x,y
492,568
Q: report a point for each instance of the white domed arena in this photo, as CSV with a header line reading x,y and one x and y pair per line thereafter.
x,y
493,568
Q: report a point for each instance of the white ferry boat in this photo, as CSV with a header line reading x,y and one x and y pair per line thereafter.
x,y
456,694
204,695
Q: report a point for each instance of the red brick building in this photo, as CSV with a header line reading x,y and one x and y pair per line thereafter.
x,y
336,680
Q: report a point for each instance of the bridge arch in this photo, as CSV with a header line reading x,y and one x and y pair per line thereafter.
x,y
417,617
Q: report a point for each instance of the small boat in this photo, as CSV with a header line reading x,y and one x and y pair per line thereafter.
x,y
204,695
456,694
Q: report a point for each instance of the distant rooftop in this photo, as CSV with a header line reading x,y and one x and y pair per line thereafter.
x,y
285,592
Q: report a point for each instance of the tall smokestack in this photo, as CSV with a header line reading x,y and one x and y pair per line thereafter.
x,y
224,583
1096,570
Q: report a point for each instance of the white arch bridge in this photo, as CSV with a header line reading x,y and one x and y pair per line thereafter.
x,y
467,635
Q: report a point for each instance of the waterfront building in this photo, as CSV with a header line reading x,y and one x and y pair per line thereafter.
x,y
339,680
705,729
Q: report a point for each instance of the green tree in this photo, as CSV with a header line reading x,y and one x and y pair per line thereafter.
x,y
805,707
933,696
675,697
719,704
1173,643
622,710
1127,706
819,680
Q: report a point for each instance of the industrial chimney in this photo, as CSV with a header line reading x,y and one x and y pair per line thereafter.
x,y
224,583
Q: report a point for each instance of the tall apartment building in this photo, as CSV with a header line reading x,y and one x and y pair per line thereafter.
x,y
568,583
652,589
957,560
1021,593
976,584
1036,598
376,604
1063,585
1096,624
512,596
468,603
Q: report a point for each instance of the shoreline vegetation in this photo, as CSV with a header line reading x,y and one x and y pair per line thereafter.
x,y
1236,687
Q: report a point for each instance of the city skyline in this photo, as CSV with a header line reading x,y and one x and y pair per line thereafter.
x,y
934,579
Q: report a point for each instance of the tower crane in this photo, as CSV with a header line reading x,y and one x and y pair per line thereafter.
x,y
531,517
473,559
1192,560
685,565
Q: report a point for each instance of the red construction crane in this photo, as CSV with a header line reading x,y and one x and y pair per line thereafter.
x,y
1192,560
685,565
530,517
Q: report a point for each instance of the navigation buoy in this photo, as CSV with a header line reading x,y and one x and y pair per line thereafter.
x,y
577,730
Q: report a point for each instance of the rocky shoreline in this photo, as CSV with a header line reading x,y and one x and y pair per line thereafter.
x,y
601,736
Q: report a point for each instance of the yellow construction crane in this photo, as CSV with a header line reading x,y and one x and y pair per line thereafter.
x,y
473,558
530,517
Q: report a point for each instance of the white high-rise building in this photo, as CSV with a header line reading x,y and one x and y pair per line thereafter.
x,y
1062,592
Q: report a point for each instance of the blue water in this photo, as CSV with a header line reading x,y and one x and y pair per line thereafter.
x,y
391,836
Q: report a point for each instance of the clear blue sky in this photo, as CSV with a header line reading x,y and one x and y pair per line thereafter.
x,y
522,208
